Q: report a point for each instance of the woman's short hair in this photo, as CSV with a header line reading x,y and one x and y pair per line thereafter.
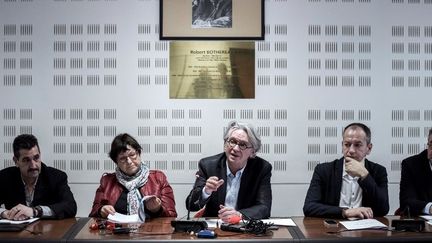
x,y
120,143
254,137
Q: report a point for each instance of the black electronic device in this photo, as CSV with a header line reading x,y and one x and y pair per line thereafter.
x,y
121,230
189,225
233,227
9,227
406,223
415,225
194,225
330,223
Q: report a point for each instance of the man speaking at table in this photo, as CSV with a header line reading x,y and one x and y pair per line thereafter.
x,y
352,186
236,183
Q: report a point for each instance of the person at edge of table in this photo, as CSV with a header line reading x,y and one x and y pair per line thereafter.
x,y
31,188
133,188
352,186
415,195
235,183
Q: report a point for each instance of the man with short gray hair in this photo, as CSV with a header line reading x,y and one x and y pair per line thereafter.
x,y
236,183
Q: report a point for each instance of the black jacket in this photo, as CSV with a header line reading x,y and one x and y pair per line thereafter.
x,y
323,195
415,185
255,195
51,190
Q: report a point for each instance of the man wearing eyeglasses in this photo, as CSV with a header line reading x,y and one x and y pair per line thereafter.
x,y
352,186
32,189
415,194
234,184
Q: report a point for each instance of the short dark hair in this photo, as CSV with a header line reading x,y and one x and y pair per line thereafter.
x,y
24,141
120,143
362,126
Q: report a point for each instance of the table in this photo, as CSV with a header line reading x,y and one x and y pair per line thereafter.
x,y
313,230
160,230
43,231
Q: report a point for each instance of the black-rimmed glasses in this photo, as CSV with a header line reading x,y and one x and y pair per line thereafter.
x,y
232,143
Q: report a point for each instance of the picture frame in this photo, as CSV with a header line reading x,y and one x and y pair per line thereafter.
x,y
181,20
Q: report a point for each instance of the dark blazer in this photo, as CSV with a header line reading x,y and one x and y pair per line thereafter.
x,y
255,195
51,190
323,195
415,185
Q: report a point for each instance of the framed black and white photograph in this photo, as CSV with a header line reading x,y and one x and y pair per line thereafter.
x,y
211,20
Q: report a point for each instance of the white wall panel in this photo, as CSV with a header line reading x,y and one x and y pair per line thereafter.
x,y
77,72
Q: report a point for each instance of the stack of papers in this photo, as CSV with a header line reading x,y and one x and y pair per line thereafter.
x,y
122,218
363,224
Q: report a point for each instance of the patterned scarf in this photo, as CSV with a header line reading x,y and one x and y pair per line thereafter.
x,y
133,184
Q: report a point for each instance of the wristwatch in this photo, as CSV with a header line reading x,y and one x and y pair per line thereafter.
x,y
37,212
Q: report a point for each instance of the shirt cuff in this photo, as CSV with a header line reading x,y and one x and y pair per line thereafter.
x,y
47,212
426,209
204,194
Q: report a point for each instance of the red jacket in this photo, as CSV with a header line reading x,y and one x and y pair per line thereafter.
x,y
110,190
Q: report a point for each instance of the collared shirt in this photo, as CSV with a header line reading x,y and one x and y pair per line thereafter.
x,y
351,193
46,211
233,187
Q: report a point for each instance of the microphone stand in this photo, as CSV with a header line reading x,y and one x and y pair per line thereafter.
x,y
189,225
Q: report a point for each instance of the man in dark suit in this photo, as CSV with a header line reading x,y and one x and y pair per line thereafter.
x,y
350,187
416,180
32,189
235,183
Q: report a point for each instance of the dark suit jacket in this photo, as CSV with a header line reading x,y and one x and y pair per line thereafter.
x,y
415,185
255,195
323,196
51,190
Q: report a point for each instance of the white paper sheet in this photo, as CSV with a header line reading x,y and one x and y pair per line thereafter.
x,y
427,217
280,221
213,223
363,224
122,218
7,221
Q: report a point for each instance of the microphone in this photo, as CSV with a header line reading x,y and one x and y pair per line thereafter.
x,y
189,203
189,224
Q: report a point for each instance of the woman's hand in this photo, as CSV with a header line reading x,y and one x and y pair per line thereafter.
x,y
106,210
153,204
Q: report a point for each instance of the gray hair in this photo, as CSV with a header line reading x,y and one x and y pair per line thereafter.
x,y
254,137
430,132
